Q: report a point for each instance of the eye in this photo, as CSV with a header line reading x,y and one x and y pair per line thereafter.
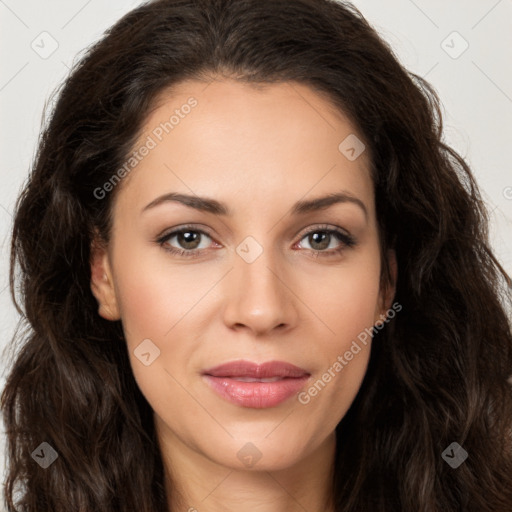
x,y
187,238
321,237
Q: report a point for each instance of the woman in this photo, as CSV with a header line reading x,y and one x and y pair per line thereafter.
x,y
339,341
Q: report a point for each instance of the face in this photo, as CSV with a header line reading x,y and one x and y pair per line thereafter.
x,y
245,268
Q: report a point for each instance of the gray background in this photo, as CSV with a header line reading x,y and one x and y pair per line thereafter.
x,y
475,86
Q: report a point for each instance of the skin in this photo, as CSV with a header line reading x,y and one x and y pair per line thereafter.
x,y
258,150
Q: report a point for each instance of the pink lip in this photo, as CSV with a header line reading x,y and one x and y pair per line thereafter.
x,y
257,395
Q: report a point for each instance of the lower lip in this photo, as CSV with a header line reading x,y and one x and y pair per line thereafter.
x,y
257,395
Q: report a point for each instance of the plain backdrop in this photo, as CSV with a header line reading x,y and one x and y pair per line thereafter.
x,y
463,47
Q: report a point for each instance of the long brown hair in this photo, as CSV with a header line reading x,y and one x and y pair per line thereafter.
x,y
438,371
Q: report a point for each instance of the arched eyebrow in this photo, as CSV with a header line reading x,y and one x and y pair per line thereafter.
x,y
323,202
215,207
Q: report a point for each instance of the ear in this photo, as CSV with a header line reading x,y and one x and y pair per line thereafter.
x,y
388,290
102,283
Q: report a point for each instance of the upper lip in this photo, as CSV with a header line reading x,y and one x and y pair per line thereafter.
x,y
258,371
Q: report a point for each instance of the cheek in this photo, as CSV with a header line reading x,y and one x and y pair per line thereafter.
x,y
162,304
151,294
151,313
345,357
347,299
145,305
347,308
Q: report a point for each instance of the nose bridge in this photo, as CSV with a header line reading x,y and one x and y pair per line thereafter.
x,y
258,297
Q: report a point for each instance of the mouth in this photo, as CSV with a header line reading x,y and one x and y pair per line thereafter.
x,y
253,379
257,386
261,372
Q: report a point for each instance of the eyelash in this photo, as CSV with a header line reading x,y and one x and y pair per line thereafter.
x,y
348,241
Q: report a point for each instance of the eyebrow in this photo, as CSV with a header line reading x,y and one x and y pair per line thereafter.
x,y
217,208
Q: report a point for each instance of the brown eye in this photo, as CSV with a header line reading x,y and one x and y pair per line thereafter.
x,y
320,239
186,241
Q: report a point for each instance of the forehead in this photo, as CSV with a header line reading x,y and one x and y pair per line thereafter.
x,y
227,137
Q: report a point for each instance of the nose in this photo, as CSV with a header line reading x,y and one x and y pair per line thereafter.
x,y
259,295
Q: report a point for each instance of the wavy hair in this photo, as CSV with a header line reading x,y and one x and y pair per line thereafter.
x,y
437,372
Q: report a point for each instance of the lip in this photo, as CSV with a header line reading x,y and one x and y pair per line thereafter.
x,y
290,379
244,368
